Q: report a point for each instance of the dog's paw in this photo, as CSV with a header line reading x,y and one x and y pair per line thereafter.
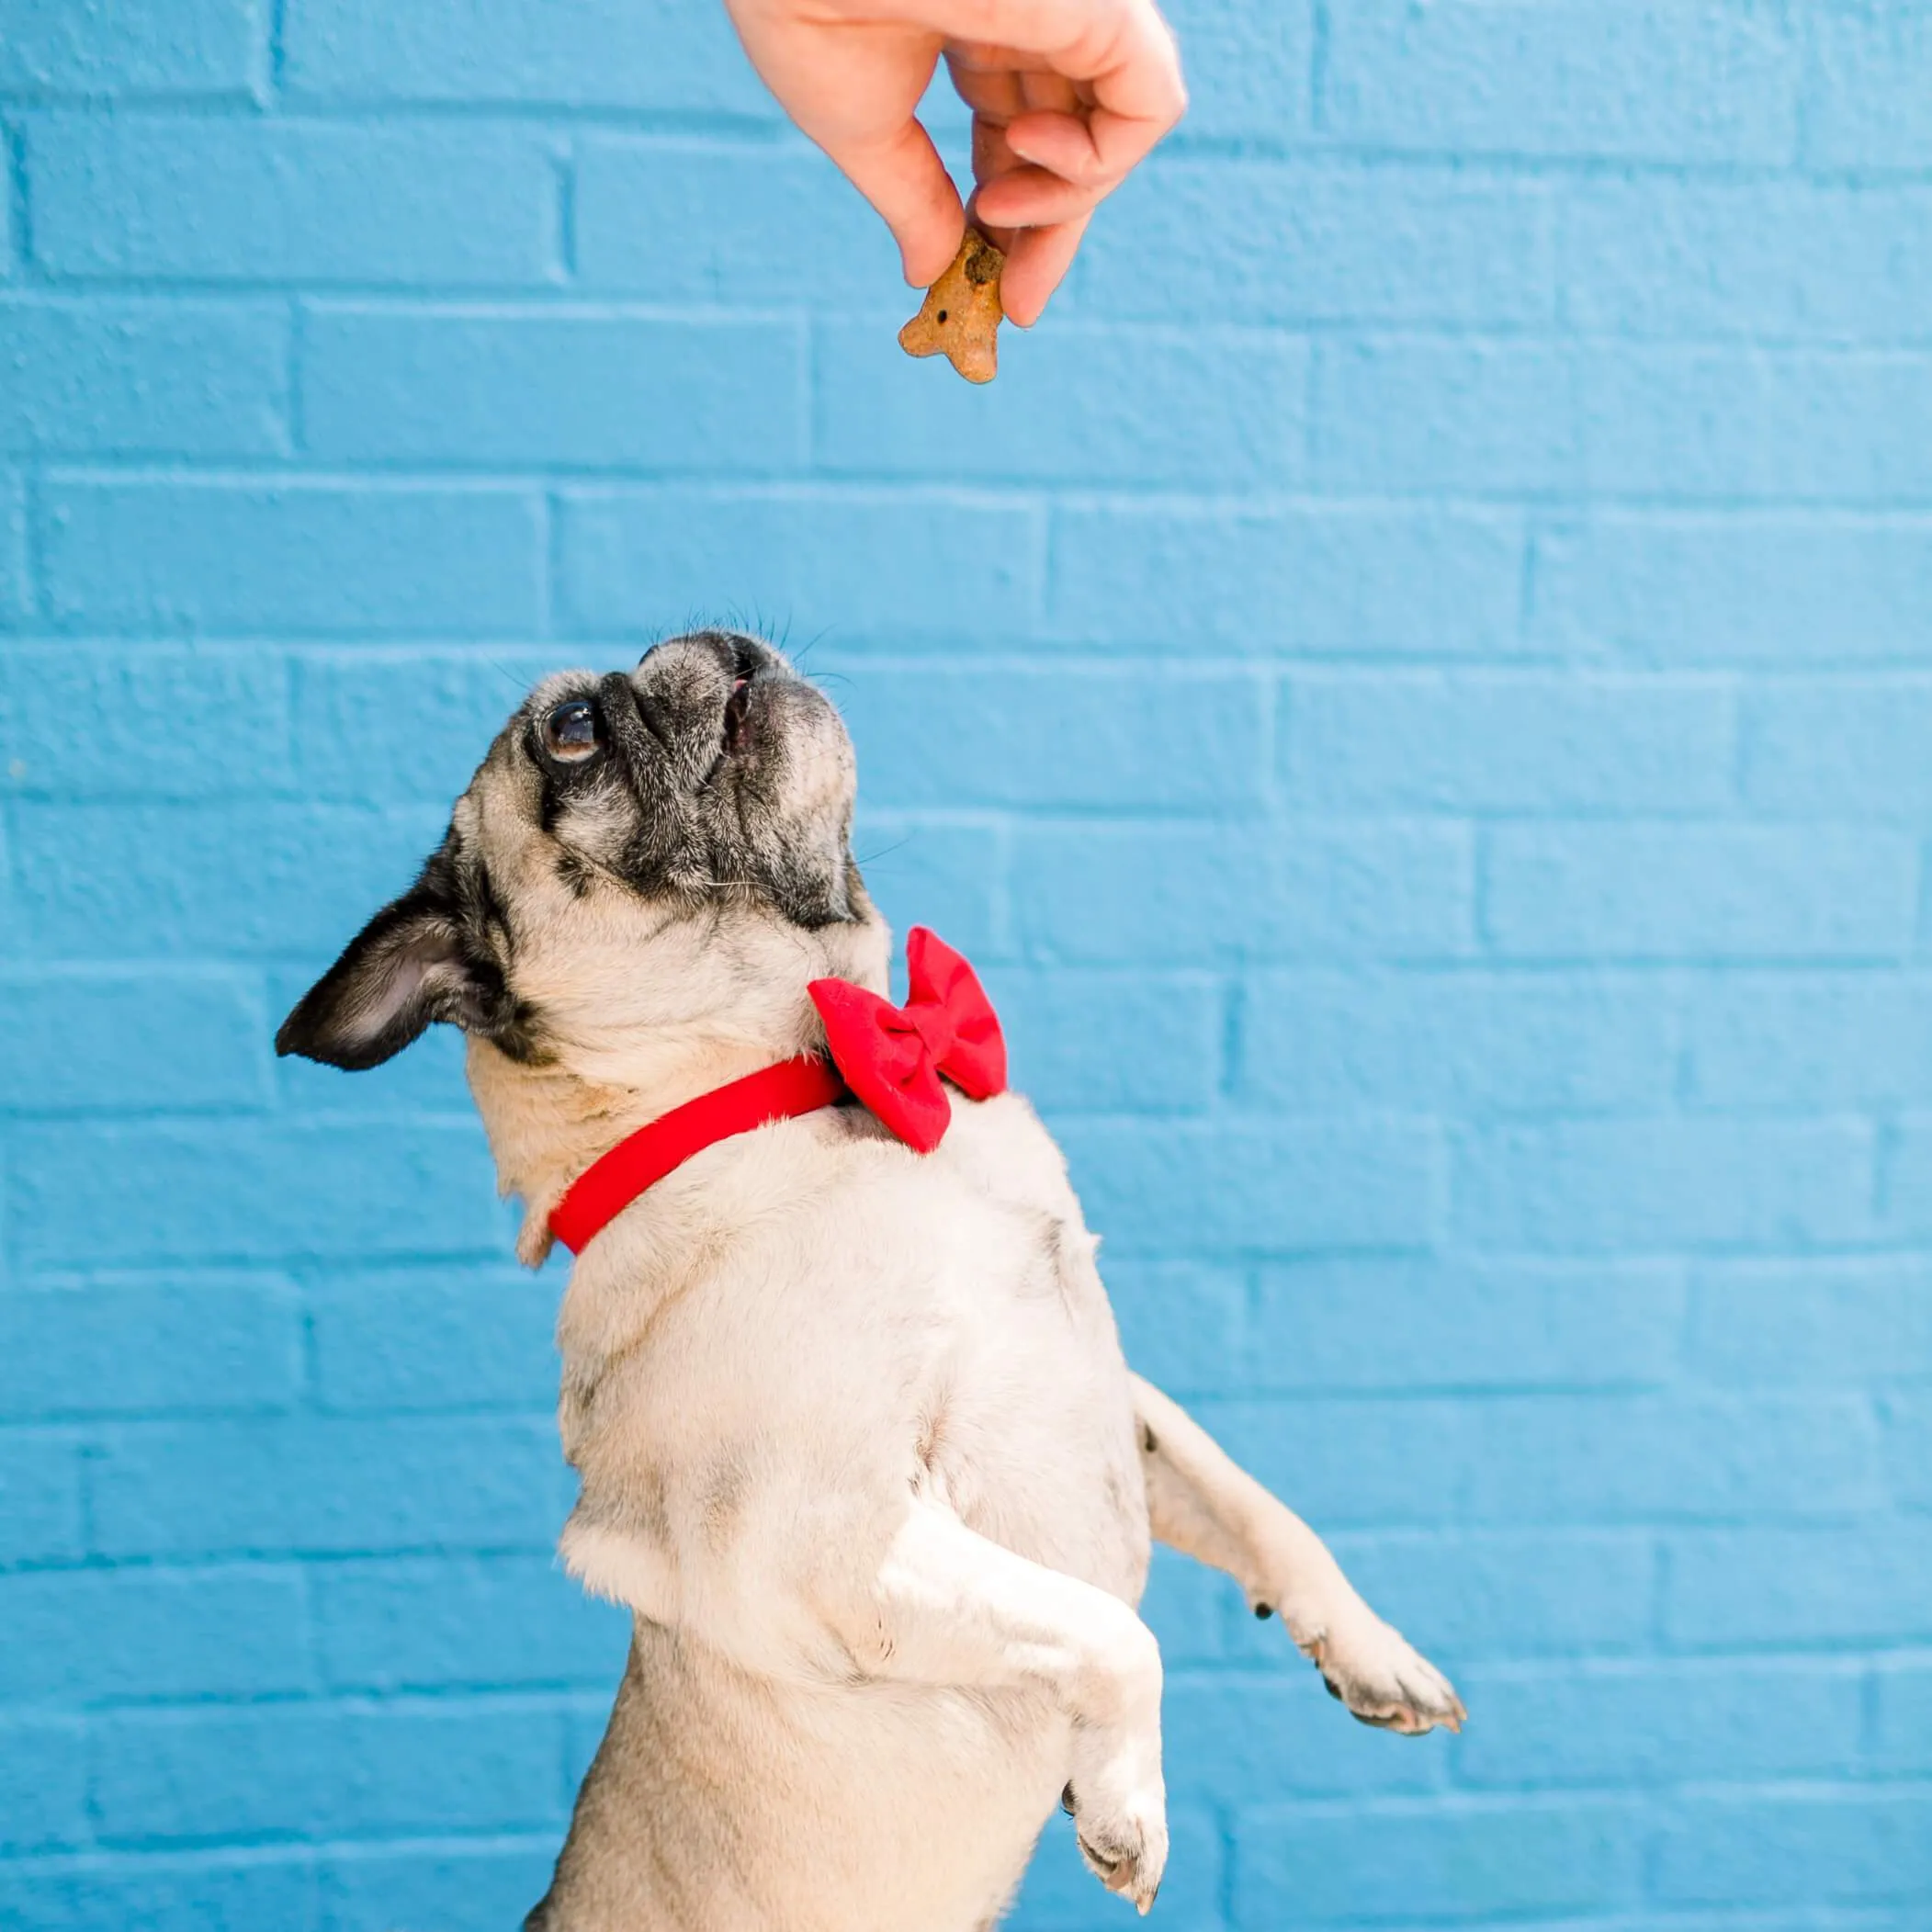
x,y
1121,1825
1383,1679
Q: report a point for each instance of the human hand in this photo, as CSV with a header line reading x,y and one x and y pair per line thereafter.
x,y
1067,97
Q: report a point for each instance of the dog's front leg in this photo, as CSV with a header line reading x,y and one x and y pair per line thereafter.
x,y
950,1607
1204,1504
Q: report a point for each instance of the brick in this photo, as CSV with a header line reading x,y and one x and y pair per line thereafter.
x,y
87,1038
267,201
1189,1607
14,590
1599,79
1333,578
1650,891
1665,257
1769,1847
702,221
40,1499
1656,1458
1905,1416
1249,67
43,1784
1466,1860
1493,1043
80,1636
1218,408
149,47
1060,1892
1186,895
425,1338
1436,415
230,880
96,1194
142,377
323,1769
415,1623
1901,1737
1516,743
1870,72
1185,1322
158,723
1258,242
1468,1595
638,563
1686,424
1808,1039
229,1891
1780,1588
1387,1324
1851,1322
1568,1460
950,877
440,1886
1092,1042
171,1342
324,559
1069,734
1758,588
596,53
1159,1186
1718,425
1654,1722
585,1719
338,1487
407,723
1905,1180
1350,1463
1228,1737
1186,1606
1837,749
521,387
1666,1183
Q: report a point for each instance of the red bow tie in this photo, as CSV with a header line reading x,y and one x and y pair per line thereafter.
x,y
893,1056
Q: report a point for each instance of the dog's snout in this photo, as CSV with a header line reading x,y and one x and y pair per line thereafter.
x,y
732,652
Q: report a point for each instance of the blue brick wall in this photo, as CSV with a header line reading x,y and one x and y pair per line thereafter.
x,y
1417,685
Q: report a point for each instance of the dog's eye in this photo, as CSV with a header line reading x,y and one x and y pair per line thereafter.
x,y
573,731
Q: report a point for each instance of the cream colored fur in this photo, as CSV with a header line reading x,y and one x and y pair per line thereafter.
x,y
858,1448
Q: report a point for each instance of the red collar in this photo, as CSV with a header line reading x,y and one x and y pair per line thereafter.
x,y
639,1160
896,1061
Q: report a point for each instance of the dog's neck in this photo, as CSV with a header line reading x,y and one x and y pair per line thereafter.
x,y
548,1121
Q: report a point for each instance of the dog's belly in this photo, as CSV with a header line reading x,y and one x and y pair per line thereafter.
x,y
725,1801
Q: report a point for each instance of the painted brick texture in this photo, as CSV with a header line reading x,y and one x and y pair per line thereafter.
x,y
1416,687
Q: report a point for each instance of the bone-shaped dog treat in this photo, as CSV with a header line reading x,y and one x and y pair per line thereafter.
x,y
960,316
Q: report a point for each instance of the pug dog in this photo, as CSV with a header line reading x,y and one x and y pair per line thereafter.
x,y
858,1448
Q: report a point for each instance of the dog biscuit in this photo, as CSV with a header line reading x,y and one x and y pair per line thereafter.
x,y
960,316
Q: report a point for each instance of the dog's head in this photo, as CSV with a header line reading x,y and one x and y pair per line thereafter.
x,y
644,856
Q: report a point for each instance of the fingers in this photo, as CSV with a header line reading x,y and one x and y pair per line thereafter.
x,y
905,180
1025,197
1067,97
1037,263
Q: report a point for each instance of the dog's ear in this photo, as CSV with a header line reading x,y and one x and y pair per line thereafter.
x,y
409,965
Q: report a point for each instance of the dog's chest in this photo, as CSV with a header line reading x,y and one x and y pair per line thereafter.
x,y
891,1322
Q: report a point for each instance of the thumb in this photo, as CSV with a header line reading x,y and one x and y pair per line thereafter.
x,y
906,181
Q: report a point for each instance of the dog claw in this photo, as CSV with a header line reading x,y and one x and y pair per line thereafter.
x,y
1382,1681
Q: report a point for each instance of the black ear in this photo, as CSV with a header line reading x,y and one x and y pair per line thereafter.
x,y
409,965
